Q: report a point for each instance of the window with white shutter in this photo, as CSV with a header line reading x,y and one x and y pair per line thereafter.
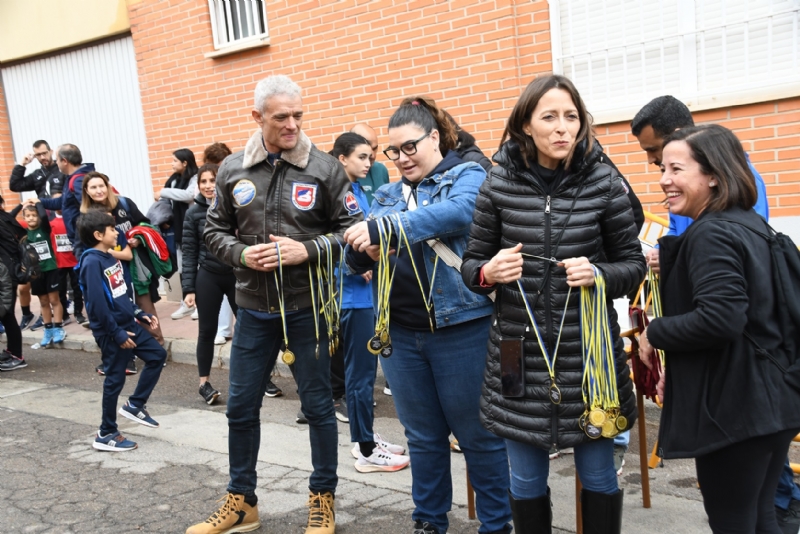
x,y
237,22
708,53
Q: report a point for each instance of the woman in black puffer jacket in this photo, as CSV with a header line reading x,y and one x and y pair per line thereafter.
x,y
201,269
552,195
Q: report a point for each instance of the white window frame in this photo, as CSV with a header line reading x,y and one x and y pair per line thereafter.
x,y
689,66
242,17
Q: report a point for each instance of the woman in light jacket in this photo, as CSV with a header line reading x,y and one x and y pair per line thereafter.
x,y
438,328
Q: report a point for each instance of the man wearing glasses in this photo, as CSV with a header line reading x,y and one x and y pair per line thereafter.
x,y
39,179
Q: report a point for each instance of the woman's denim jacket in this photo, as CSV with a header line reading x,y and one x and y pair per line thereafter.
x,y
445,204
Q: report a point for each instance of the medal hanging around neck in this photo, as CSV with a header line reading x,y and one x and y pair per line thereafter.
x,y
381,342
288,355
553,393
600,395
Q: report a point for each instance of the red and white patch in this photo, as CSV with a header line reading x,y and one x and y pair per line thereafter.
x,y
351,203
304,196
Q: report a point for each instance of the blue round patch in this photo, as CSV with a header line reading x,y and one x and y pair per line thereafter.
x,y
244,192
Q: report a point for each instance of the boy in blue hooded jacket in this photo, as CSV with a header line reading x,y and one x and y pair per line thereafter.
x,y
113,321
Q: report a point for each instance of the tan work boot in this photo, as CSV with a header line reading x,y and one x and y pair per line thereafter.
x,y
321,517
234,516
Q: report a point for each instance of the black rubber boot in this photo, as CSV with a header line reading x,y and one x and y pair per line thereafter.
x,y
532,516
602,513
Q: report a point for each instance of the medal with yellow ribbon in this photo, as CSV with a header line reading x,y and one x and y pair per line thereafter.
x,y
426,299
381,342
288,355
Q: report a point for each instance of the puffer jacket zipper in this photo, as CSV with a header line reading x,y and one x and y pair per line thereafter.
x,y
548,313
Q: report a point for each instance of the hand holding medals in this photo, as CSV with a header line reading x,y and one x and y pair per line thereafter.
x,y
381,343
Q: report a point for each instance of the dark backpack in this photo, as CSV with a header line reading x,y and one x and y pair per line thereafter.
x,y
28,268
785,261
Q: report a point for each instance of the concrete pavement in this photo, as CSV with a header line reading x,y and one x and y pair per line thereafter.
x,y
53,481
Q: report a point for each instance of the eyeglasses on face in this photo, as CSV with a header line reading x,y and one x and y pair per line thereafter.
x,y
409,149
41,154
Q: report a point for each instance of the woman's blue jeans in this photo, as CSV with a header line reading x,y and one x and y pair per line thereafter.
x,y
255,347
530,467
436,383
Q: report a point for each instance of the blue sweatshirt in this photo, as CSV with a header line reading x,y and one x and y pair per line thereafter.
x,y
109,300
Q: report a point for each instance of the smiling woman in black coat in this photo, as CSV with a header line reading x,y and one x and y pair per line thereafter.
x,y
724,406
551,194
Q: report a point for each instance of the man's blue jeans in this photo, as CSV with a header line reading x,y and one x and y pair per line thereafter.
x,y
256,343
530,467
787,489
436,383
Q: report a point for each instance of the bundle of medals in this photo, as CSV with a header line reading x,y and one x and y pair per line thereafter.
x,y
381,342
600,395
326,297
655,291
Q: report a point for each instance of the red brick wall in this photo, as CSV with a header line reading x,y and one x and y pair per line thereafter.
x,y
356,60
6,153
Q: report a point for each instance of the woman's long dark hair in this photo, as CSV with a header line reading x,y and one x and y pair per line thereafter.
x,y
181,181
523,109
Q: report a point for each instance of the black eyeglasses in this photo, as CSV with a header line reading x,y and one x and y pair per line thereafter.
x,y
409,149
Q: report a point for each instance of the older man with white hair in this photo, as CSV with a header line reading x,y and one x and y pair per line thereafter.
x,y
281,208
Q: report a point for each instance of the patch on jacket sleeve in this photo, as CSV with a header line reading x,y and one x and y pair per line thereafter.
x,y
304,196
624,185
351,203
244,192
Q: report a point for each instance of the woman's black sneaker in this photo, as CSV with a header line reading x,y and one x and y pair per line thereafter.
x,y
209,394
424,528
272,390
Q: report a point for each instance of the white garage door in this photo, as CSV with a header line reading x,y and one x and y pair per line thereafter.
x,y
88,97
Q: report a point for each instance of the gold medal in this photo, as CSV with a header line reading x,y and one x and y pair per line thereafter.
x,y
374,345
555,393
622,423
609,429
597,417
593,431
384,335
288,357
387,351
582,421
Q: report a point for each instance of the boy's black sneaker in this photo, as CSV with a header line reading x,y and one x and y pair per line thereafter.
x,y
100,370
424,528
26,321
788,520
38,324
80,319
273,390
131,368
209,394
13,363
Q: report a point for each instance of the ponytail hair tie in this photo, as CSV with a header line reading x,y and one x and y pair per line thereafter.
x,y
415,103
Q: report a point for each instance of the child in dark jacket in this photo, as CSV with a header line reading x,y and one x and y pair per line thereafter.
x,y
113,320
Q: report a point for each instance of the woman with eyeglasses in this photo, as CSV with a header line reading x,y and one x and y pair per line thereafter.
x,y
437,328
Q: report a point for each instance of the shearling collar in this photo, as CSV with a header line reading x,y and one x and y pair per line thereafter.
x,y
254,152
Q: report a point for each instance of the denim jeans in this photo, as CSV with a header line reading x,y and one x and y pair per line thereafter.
x,y
787,489
436,383
115,359
360,366
530,467
255,347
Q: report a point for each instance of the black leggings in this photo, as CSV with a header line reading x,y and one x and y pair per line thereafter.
x,y
211,288
13,333
69,274
738,484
